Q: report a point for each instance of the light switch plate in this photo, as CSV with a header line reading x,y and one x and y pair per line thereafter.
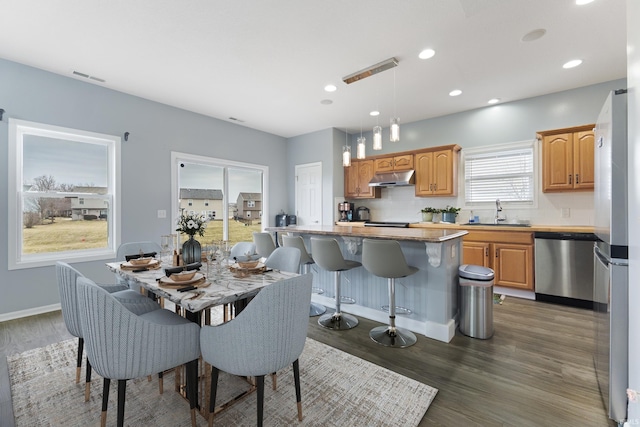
x,y
162,213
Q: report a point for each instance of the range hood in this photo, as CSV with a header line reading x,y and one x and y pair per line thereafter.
x,y
392,179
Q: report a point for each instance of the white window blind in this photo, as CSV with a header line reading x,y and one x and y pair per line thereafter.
x,y
505,174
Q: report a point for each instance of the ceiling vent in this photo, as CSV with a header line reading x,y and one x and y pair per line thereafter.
x,y
370,71
87,76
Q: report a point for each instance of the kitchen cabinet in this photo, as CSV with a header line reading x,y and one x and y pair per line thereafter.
x,y
509,254
567,159
396,163
356,180
437,171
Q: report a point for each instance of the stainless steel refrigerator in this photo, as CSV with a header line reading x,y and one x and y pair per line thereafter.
x,y
611,277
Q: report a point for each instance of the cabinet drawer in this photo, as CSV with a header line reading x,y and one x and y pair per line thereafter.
x,y
525,238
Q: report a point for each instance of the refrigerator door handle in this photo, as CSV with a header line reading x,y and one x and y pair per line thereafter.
x,y
606,260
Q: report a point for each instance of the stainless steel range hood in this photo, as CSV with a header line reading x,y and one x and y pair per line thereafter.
x,y
392,179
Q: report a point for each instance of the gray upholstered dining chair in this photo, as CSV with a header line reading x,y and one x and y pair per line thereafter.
x,y
264,244
241,249
134,248
306,260
67,277
266,336
163,340
285,259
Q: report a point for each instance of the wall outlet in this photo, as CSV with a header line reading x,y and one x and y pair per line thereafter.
x,y
162,213
565,213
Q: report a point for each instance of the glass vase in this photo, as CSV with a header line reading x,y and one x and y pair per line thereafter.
x,y
191,251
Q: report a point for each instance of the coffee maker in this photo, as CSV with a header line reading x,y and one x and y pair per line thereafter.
x,y
346,211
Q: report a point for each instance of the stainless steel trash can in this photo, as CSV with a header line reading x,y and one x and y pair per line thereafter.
x,y
476,301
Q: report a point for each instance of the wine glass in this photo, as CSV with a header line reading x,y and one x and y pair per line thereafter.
x,y
212,255
166,243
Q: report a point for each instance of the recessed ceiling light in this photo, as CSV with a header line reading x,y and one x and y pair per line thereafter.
x,y
374,113
455,92
330,88
534,35
583,2
572,63
493,101
426,54
326,102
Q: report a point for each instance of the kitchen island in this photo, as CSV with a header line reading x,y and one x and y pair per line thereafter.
x,y
430,296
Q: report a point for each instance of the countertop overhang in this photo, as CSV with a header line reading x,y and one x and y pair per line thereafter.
x,y
432,235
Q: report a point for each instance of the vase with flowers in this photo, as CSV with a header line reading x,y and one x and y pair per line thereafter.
x,y
191,224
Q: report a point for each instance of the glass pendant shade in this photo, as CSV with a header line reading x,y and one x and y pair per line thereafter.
x,y
394,130
360,151
346,156
377,138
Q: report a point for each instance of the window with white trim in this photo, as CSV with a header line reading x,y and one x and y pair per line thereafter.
x,y
504,172
63,195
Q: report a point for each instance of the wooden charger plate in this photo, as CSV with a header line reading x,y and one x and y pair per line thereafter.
x,y
153,265
199,281
257,269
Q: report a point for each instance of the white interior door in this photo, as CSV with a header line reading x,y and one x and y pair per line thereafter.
x,y
309,193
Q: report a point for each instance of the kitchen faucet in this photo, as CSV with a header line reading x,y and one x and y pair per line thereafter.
x,y
498,219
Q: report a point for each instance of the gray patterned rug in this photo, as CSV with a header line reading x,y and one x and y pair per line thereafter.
x,y
338,389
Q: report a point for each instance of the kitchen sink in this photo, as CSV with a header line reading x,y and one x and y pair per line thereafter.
x,y
502,224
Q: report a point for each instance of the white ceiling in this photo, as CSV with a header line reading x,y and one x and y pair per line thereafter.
x,y
266,62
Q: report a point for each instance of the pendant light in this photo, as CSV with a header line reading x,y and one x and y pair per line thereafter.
x,y
346,151
361,147
377,135
394,128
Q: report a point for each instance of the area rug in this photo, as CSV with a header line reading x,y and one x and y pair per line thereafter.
x,y
338,389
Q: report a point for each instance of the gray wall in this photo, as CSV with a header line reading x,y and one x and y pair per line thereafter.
x,y
156,130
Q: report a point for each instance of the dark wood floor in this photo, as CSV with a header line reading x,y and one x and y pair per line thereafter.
x,y
537,370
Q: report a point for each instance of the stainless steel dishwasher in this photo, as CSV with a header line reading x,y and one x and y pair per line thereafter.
x,y
564,268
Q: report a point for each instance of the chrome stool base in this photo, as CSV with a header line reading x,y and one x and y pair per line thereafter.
x,y
347,300
399,310
393,337
316,309
338,321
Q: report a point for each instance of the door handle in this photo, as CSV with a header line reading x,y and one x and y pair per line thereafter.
x,y
486,252
496,253
577,180
570,179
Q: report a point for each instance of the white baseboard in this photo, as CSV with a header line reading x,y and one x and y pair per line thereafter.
x,y
29,312
518,293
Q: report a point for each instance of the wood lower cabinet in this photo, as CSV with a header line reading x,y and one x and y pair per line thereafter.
x,y
436,172
509,254
568,159
356,180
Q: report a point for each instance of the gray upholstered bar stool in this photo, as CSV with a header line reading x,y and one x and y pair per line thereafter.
x,y
327,255
305,261
264,244
384,258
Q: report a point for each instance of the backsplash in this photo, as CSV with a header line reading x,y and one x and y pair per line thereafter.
x,y
401,204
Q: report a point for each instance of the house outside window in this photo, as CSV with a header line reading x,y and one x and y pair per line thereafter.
x,y
48,167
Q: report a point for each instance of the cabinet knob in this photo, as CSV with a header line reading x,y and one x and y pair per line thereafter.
x,y
570,179
577,180
496,253
486,252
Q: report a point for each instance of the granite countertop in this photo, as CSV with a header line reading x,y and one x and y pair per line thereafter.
x,y
506,227
432,235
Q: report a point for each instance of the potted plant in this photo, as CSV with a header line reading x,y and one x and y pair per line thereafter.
x,y
449,214
427,214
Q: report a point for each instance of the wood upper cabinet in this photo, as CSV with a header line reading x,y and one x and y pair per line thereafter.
x,y
356,180
567,159
436,172
509,254
396,163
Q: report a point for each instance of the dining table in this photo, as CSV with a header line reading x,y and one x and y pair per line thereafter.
x,y
222,284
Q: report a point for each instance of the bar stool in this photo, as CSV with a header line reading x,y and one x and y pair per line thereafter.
x,y
329,257
264,244
384,258
305,261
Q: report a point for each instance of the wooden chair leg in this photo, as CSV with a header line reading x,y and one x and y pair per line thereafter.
x,y
87,382
79,362
160,382
212,394
122,392
274,381
192,388
296,379
105,401
260,384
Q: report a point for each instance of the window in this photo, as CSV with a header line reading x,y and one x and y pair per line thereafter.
x,y
504,172
190,203
251,203
206,203
63,180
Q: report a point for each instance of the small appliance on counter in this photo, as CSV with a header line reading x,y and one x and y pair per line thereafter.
x,y
282,220
346,211
363,214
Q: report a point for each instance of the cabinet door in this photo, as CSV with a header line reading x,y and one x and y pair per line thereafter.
x,y
583,161
403,163
557,162
351,180
384,164
513,265
424,173
365,173
443,172
475,253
